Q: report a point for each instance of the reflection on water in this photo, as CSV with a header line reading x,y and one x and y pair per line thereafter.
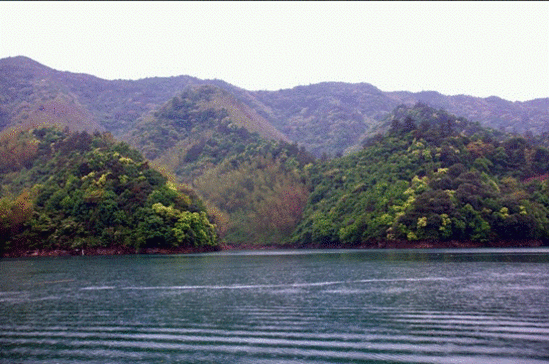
x,y
414,306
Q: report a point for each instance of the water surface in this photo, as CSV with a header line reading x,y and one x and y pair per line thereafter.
x,y
382,306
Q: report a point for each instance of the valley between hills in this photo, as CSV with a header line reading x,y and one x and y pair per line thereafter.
x,y
181,164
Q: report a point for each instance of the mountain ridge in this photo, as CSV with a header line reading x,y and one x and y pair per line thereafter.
x,y
248,155
326,118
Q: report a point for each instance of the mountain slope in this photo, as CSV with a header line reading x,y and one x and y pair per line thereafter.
x,y
241,165
326,117
30,96
335,117
107,105
518,117
330,117
432,177
75,191
198,129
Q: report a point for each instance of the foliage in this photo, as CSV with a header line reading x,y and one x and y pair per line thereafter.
x,y
424,174
262,195
329,117
80,190
432,176
253,182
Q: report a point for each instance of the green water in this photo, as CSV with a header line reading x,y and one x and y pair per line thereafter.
x,y
412,306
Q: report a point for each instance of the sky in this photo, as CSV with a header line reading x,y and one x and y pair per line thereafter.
x,y
474,48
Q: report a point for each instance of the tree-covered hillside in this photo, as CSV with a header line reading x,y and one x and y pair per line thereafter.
x,y
329,117
31,94
512,117
197,129
431,177
423,174
334,117
242,166
78,191
260,193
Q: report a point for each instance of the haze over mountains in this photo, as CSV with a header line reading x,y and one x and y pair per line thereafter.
x,y
331,117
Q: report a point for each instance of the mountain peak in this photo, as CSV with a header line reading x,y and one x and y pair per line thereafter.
x,y
22,62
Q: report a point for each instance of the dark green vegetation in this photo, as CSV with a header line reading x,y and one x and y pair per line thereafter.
x,y
329,118
336,117
252,182
431,177
410,174
73,191
198,129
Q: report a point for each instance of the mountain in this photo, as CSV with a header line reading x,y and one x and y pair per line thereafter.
x,y
196,116
28,87
330,117
432,179
30,95
327,117
243,167
76,192
495,112
413,173
335,117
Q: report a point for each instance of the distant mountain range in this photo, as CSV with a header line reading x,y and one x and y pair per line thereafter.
x,y
419,167
332,117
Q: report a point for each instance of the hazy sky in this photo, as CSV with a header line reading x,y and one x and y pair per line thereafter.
x,y
474,48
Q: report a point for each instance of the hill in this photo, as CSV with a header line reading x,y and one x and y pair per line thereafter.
x,y
513,117
194,119
76,192
27,87
335,118
330,117
431,178
247,154
327,117
242,166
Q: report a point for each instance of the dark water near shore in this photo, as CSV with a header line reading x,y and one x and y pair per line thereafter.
x,y
412,306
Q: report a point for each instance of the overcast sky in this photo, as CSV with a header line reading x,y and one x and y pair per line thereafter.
x,y
474,48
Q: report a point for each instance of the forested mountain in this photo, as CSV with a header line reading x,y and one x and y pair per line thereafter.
x,y
76,191
514,117
335,117
413,171
432,177
192,125
329,117
30,94
240,164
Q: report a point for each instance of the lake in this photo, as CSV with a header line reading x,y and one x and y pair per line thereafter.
x,y
305,306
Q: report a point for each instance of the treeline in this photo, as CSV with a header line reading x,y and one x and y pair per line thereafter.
x,y
430,177
73,191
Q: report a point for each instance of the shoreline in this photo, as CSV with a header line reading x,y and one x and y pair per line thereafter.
x,y
105,251
120,250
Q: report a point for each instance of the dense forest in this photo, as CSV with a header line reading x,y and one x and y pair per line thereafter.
x,y
78,191
330,117
249,176
432,177
325,165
